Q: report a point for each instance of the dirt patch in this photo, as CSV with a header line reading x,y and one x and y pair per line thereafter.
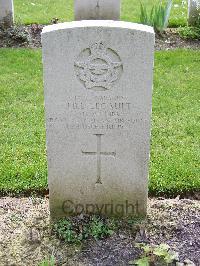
x,y
26,238
21,36
30,36
170,39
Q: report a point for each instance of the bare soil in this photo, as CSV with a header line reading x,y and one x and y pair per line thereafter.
x,y
170,39
30,36
26,237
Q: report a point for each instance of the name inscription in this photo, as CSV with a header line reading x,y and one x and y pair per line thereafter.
x,y
100,113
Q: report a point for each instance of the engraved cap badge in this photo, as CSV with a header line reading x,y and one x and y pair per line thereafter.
x,y
98,67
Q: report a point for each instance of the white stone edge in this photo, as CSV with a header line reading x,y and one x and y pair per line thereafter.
x,y
97,23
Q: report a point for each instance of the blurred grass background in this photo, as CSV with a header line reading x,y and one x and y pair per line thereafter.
x,y
43,11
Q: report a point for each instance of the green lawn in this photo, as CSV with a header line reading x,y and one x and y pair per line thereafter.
x,y
42,11
175,152
22,161
175,156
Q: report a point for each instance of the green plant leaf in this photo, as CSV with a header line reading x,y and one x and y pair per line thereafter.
x,y
167,13
164,246
161,250
46,262
170,257
147,249
158,16
142,262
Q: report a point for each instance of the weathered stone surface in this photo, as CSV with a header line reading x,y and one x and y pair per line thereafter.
x,y
97,9
6,12
193,12
98,90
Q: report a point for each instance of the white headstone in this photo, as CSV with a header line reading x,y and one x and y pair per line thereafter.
x,y
98,94
97,9
6,12
193,12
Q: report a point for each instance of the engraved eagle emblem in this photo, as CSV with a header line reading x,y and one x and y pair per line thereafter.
x,y
98,67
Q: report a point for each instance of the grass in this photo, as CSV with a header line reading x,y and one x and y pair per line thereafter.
x,y
175,156
175,153
43,11
23,161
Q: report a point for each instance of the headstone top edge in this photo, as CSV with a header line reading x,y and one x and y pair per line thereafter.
x,y
98,23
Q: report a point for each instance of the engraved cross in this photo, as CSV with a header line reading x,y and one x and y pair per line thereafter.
x,y
99,153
